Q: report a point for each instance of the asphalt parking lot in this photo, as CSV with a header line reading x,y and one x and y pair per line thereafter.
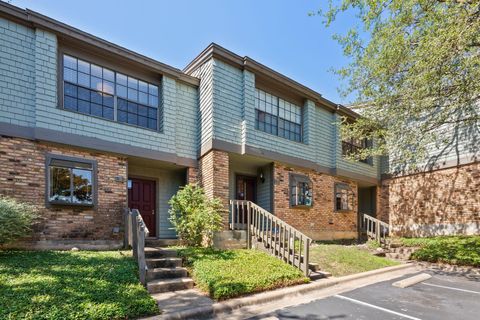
x,y
444,296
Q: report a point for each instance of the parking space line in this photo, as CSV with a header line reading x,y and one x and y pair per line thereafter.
x,y
451,288
376,307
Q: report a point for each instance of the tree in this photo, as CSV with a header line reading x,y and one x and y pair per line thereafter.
x,y
415,72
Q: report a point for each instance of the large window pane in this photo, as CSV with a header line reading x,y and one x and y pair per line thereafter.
x,y
277,116
70,182
83,66
83,79
93,89
70,75
59,184
82,186
70,62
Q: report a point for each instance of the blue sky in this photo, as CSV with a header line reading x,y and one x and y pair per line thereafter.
x,y
277,33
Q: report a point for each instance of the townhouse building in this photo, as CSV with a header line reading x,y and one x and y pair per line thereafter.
x,y
89,128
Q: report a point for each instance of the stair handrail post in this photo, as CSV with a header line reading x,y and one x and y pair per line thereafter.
x,y
249,240
142,266
126,228
134,214
306,254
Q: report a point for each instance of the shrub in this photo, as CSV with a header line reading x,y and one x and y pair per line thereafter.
x,y
227,274
459,250
194,216
16,219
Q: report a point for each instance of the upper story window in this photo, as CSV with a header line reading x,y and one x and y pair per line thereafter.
x,y
351,146
101,92
277,116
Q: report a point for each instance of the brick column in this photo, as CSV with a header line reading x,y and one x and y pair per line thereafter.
x,y
213,177
383,201
191,175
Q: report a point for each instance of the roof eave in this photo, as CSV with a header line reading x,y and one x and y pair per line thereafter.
x,y
35,19
218,52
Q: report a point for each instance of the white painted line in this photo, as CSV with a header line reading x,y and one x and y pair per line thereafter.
x,y
451,288
376,307
412,280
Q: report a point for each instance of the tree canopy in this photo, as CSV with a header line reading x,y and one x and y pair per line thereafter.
x,y
414,70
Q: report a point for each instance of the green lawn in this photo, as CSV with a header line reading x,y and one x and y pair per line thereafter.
x,y
461,250
231,273
71,285
344,260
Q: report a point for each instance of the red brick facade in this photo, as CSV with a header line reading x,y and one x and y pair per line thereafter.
x,y
444,201
213,177
321,221
192,175
23,177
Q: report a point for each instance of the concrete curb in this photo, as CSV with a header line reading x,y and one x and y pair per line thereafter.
x,y
264,297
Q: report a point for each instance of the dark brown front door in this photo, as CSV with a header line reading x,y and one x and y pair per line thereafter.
x,y
246,188
141,196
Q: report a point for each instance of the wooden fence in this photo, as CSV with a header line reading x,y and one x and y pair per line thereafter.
x,y
135,233
278,237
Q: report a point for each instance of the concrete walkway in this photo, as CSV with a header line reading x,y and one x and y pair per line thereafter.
x,y
194,305
179,301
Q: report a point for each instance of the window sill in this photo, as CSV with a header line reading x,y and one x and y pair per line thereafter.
x,y
302,206
344,211
274,135
357,161
69,204
110,120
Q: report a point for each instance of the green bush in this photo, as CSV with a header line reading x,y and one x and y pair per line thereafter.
x,y
460,250
232,273
16,219
194,216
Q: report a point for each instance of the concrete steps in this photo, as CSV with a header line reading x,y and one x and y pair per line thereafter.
x,y
397,251
160,243
165,271
168,262
167,285
160,253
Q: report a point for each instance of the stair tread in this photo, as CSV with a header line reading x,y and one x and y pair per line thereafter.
x,y
164,259
169,281
160,269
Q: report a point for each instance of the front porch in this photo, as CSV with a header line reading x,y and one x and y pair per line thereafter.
x,y
150,186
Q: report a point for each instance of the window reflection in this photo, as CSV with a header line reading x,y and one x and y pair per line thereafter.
x,y
70,182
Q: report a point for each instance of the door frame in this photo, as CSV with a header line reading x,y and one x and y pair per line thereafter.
x,y
250,177
155,183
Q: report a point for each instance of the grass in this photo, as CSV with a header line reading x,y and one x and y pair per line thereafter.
x,y
231,273
71,285
344,260
459,250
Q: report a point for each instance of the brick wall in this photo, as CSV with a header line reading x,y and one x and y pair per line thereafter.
x,y
213,177
320,222
23,177
191,175
435,203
